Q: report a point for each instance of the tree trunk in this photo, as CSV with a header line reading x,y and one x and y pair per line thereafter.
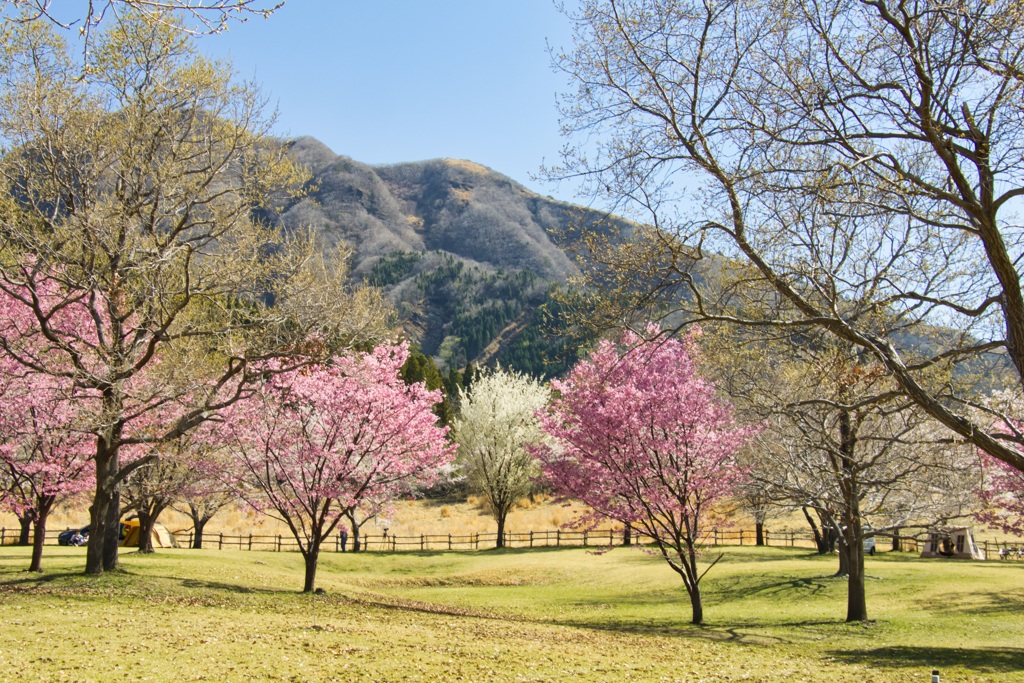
x,y
856,597
759,533
853,531
198,525
697,606
311,556
819,539
25,522
844,562
145,531
897,541
500,517
691,579
627,535
43,508
106,471
113,531
355,530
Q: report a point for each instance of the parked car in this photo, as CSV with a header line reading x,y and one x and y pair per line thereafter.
x,y
869,543
74,536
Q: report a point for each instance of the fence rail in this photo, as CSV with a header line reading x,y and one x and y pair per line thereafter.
x,y
385,542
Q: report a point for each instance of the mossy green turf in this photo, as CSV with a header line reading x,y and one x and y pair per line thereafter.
x,y
517,615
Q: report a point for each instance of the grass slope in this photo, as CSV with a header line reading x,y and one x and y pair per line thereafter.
x,y
541,615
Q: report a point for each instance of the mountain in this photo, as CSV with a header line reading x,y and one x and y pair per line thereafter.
x,y
468,255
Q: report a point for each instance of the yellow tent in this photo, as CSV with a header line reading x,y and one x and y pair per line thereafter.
x,y
130,535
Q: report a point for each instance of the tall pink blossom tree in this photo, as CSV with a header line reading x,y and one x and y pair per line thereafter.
x,y
314,443
644,440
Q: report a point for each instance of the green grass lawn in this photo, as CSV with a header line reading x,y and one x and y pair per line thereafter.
x,y
518,615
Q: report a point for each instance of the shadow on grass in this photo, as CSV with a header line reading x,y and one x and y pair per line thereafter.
x,y
26,579
981,604
732,590
987,660
225,587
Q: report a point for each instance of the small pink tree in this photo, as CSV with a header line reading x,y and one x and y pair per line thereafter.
x,y
645,441
43,453
314,443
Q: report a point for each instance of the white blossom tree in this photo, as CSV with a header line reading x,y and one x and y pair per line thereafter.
x,y
498,423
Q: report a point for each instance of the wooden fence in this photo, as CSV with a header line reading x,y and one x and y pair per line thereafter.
x,y
385,542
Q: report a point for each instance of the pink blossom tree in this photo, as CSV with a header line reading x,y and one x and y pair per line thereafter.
x,y
644,440
1001,488
43,453
314,443
1002,496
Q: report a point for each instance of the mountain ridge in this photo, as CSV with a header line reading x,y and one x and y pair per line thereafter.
x,y
468,255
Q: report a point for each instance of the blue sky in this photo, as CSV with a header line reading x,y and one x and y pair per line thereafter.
x,y
405,80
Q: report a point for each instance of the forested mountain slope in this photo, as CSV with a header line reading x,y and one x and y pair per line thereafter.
x,y
467,254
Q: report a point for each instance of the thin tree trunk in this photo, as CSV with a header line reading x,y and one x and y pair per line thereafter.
x,y
693,588
759,533
311,556
356,547
500,517
43,508
113,532
198,525
844,563
897,540
856,600
627,535
819,539
25,522
697,606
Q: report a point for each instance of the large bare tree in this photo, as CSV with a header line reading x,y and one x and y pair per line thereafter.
x,y
841,441
850,165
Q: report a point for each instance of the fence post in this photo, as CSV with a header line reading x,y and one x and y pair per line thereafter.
x,y
716,536
220,541
766,537
531,538
3,536
279,543
584,539
449,541
741,536
250,541
422,546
